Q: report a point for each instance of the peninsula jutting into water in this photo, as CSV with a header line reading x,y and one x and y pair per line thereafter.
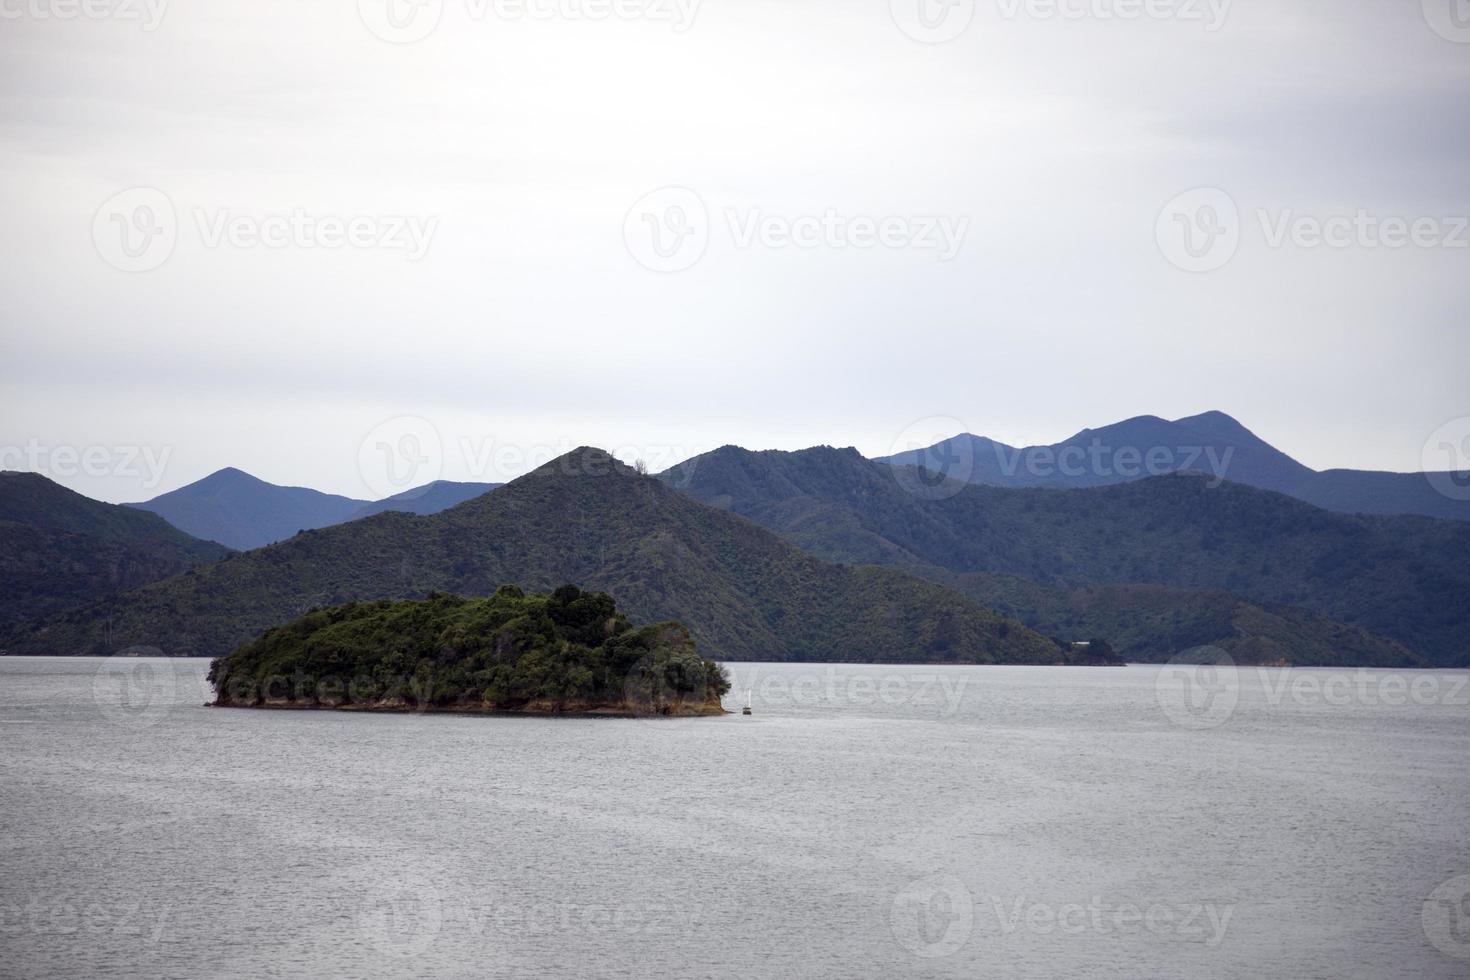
x,y
567,652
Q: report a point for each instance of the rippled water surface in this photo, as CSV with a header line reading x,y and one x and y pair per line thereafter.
x,y
864,822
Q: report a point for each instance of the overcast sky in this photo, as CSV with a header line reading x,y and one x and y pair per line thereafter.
x,y
687,224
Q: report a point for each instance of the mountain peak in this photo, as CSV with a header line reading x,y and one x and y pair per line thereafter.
x,y
243,511
1215,421
584,461
1219,425
1213,415
229,476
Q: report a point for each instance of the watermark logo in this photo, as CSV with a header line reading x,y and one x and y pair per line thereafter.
x,y
1450,19
147,13
402,453
1446,917
1199,688
135,688
939,457
401,21
1446,459
402,918
136,230
1199,231
932,21
933,917
667,230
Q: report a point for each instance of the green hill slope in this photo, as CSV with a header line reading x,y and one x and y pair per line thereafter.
x,y
745,592
1155,622
1402,577
59,548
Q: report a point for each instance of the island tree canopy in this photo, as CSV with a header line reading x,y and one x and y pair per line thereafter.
x,y
570,650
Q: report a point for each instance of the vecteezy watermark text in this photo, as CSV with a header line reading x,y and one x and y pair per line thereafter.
x,y
146,13
1201,688
1203,922
934,917
407,233
935,460
1211,14
143,463
137,230
937,691
1106,461
409,451
81,916
939,233
1202,230
411,21
669,230
403,918
939,21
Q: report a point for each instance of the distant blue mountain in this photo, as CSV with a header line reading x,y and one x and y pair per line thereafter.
x,y
1213,443
244,512
430,498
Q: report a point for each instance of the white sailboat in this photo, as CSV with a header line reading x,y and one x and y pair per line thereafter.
x,y
746,709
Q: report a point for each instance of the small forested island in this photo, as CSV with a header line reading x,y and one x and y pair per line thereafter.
x,y
570,652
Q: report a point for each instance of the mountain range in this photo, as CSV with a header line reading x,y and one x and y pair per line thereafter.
x,y
745,592
1211,443
819,554
242,512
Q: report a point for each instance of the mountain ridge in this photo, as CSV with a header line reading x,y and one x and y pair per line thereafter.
x,y
744,591
1147,445
430,498
1399,577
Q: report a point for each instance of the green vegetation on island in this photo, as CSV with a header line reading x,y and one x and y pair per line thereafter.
x,y
570,651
